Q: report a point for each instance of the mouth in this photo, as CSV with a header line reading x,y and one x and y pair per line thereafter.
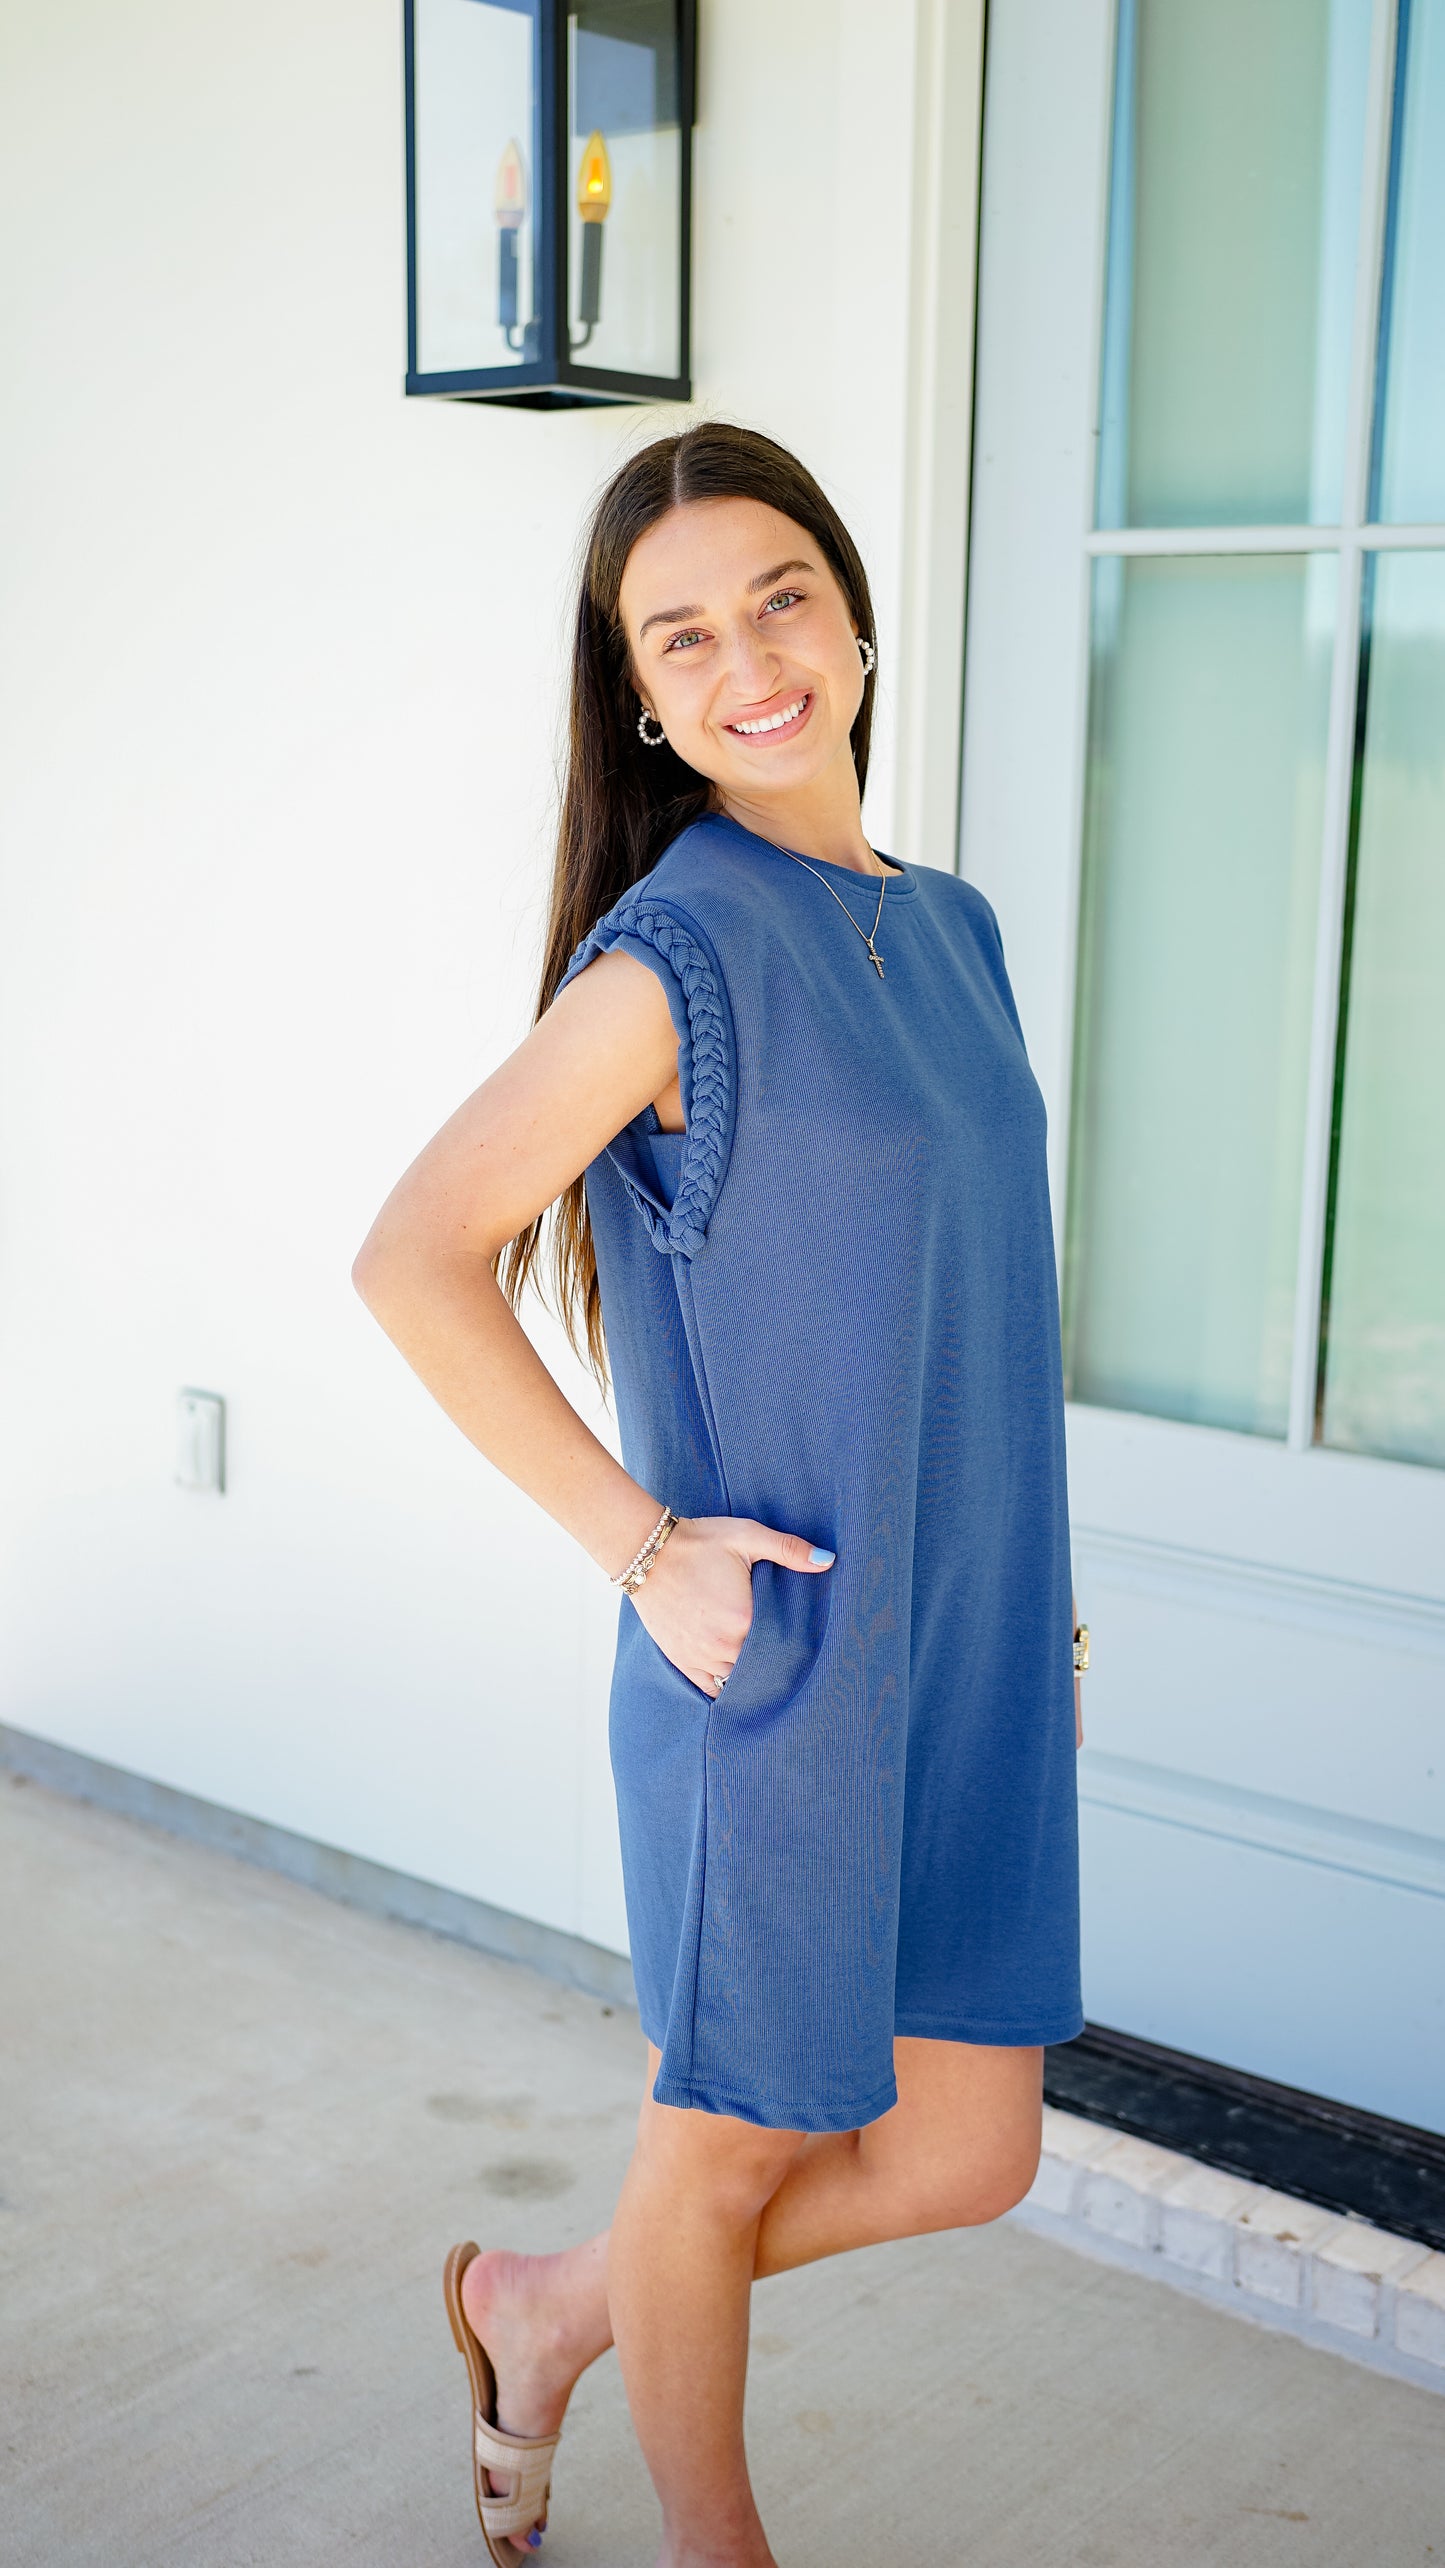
x,y
785,724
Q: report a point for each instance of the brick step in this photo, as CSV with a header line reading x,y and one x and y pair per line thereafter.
x,y
1335,2281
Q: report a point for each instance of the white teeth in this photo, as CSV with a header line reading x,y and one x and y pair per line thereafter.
x,y
774,721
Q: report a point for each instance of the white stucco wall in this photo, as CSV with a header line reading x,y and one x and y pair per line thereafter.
x,y
281,658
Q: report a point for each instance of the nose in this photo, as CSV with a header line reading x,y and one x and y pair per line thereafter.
x,y
754,662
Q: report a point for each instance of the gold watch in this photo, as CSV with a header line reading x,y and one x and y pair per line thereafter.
x,y
1081,1648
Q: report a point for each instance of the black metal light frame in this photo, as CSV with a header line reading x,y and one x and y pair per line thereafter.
x,y
554,380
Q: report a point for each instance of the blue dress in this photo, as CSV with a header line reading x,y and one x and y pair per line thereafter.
x,y
832,1305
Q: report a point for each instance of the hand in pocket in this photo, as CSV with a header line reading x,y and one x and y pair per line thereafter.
x,y
697,1602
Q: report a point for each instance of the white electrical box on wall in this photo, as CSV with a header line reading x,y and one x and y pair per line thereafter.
x,y
200,1440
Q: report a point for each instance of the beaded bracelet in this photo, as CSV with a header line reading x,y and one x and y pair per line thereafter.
x,y
632,1576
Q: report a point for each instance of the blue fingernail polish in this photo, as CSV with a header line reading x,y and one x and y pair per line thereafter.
x,y
535,2539
824,1558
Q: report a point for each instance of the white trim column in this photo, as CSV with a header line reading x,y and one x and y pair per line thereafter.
x,y
942,269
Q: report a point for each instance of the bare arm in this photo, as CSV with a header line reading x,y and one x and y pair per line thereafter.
x,y
605,1047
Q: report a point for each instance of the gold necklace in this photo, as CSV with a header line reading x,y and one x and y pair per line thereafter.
x,y
867,933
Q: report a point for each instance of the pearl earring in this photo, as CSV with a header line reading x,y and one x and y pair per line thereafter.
x,y
869,655
644,735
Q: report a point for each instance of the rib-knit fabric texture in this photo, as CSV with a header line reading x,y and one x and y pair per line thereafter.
x,y
831,1304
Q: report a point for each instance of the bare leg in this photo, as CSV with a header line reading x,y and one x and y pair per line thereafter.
x,y
959,2147
681,2254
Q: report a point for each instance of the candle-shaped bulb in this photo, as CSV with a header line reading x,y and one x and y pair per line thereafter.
x,y
511,198
594,182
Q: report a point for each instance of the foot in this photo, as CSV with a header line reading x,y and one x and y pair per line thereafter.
x,y
542,2319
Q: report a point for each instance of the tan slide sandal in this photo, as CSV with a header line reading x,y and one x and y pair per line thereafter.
x,y
520,2465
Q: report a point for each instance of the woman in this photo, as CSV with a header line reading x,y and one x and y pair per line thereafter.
x,y
815,1226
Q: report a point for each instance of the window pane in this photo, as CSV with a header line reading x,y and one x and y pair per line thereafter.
x,y
477,249
624,268
1201,866
1385,1322
1234,221
1411,461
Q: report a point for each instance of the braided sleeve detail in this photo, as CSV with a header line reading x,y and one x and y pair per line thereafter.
x,y
710,1102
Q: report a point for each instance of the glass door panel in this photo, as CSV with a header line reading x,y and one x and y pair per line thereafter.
x,y
1208,722
624,90
478,222
1410,467
1233,243
1384,1369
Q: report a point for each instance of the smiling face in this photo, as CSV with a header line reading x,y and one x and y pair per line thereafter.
x,y
744,649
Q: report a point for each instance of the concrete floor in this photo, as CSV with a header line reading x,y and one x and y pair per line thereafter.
x,y
242,2126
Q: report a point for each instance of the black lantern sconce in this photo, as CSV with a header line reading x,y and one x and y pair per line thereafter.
x,y
549,200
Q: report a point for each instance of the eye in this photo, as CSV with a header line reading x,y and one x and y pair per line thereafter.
x,y
690,636
788,596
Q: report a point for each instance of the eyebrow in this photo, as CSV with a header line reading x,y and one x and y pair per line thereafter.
x,y
765,579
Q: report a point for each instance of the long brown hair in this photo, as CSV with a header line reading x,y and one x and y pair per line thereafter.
x,y
623,804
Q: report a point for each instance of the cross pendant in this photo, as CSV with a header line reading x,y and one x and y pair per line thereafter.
x,y
876,958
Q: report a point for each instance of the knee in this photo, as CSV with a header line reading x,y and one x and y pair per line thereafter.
x,y
731,2168
967,2192
1004,2180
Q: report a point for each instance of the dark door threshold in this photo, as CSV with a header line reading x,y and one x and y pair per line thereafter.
x,y
1305,2145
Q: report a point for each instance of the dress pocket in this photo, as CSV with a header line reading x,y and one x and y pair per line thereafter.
x,y
666,1670
779,1650
781,1644
657,1718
